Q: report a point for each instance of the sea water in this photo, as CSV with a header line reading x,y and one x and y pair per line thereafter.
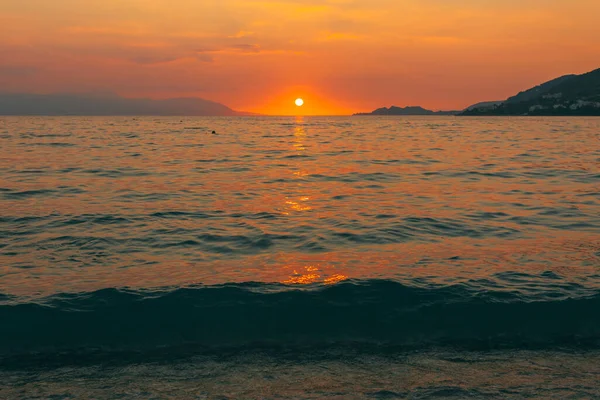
x,y
299,257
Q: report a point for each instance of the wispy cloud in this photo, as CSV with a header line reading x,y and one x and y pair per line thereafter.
x,y
17,70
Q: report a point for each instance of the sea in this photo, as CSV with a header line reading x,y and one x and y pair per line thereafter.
x,y
299,258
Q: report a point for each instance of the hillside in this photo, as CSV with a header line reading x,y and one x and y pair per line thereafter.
x,y
577,95
485,104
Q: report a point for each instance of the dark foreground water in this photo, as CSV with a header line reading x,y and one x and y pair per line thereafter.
x,y
299,258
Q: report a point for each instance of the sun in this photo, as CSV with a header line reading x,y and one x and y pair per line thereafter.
x,y
299,102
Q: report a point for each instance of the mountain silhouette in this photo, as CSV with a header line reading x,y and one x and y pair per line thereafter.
x,y
108,104
411,110
577,95
485,104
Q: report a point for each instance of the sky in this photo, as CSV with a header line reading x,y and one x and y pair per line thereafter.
x,y
341,56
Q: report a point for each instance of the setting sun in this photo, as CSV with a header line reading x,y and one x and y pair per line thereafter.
x,y
299,102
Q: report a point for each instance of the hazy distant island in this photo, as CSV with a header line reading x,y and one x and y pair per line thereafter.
x,y
577,95
108,104
411,110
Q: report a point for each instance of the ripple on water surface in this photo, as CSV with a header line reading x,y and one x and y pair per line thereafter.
x,y
299,257
93,203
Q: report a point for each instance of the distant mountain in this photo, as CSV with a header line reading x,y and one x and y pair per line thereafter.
x,y
485,104
568,95
108,104
412,110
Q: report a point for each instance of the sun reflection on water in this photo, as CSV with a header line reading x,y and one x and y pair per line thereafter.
x,y
299,136
442,203
313,274
300,203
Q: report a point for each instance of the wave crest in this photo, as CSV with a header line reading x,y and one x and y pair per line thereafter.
x,y
369,312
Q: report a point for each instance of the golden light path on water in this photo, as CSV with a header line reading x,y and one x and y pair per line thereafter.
x,y
308,274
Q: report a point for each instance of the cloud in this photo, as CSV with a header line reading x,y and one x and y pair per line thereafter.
x,y
246,48
378,49
335,36
17,71
203,57
241,34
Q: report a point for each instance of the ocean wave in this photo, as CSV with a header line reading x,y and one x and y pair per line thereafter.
x,y
150,232
360,312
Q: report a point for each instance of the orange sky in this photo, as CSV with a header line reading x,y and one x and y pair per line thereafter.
x,y
342,56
